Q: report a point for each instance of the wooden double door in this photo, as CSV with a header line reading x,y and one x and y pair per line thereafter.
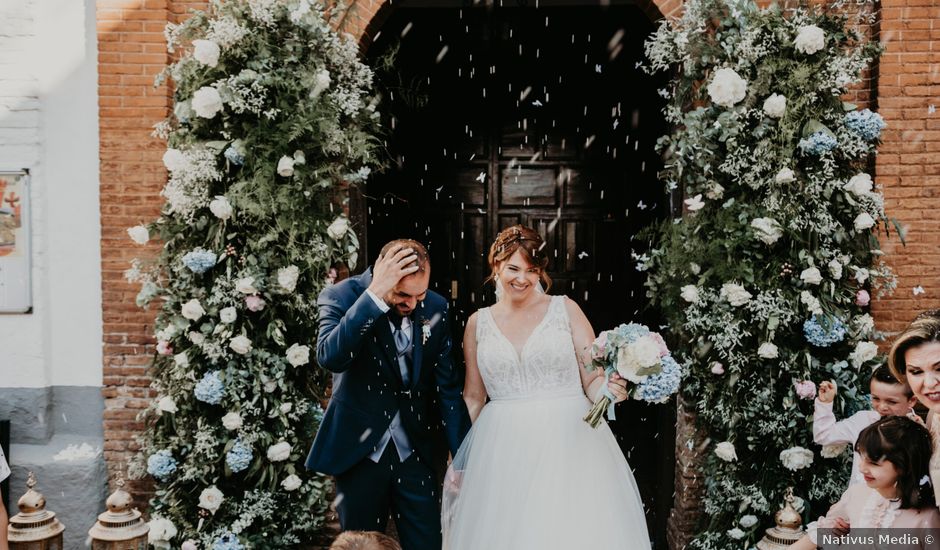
x,y
504,116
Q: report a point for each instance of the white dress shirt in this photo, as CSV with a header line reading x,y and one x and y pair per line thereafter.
x,y
826,431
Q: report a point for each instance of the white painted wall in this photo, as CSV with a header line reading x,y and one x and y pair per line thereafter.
x,y
49,124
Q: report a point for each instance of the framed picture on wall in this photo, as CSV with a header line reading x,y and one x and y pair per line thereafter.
x,y
15,254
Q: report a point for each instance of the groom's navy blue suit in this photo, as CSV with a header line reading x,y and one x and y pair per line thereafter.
x,y
356,343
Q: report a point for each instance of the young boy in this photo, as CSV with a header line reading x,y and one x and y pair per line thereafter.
x,y
4,473
889,397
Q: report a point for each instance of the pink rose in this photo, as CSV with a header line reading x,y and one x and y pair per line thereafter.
x,y
164,348
254,303
600,346
189,545
663,350
717,368
805,389
862,298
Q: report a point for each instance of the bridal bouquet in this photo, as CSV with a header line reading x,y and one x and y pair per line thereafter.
x,y
640,356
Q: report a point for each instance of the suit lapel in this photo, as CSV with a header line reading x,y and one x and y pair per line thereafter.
x,y
389,349
417,352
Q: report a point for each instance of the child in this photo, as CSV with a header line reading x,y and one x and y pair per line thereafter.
x,y
4,473
888,397
895,455
364,540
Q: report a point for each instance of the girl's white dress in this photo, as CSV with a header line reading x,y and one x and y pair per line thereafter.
x,y
533,474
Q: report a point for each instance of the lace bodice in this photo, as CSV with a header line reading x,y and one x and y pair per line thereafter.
x,y
546,367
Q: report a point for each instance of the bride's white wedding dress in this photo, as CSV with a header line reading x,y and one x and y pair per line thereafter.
x,y
534,475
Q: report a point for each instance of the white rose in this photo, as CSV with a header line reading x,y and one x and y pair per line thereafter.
x,y
338,228
863,221
298,355
736,533
690,294
175,160
197,338
809,39
246,285
139,234
811,303
286,407
240,344
279,452
291,483
785,175
161,530
181,359
811,276
221,207
232,421
796,458
861,274
228,315
864,351
285,166
748,521
206,52
287,277
835,269
211,498
725,451
859,184
768,350
767,230
207,102
192,310
643,353
727,88
832,451
735,294
167,404
775,105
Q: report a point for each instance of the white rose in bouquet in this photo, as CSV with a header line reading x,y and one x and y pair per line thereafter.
x,y
785,175
246,285
291,483
240,344
690,294
193,310
725,451
735,294
775,105
175,160
206,52
811,276
767,350
232,421
279,452
767,230
211,498
863,221
167,404
221,208
139,234
864,351
181,359
727,87
736,533
832,451
161,532
285,166
835,269
640,354
748,521
287,277
207,102
228,314
809,39
796,458
859,184
338,228
298,355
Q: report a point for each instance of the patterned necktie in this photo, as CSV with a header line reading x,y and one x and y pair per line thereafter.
x,y
403,346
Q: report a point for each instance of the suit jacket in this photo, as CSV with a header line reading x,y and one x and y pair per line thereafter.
x,y
355,342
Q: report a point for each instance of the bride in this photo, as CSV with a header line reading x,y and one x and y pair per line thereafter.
x,y
531,474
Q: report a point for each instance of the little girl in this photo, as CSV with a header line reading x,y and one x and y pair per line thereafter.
x,y
895,455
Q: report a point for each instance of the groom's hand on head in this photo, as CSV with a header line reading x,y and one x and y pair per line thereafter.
x,y
397,263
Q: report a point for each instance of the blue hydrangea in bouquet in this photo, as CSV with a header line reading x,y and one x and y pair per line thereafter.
x,y
641,357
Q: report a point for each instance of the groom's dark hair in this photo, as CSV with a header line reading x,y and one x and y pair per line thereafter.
x,y
420,251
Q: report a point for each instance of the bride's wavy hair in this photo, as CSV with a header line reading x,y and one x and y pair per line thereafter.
x,y
906,444
519,237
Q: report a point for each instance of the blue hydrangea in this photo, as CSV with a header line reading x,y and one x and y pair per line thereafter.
x,y
235,154
657,388
199,260
825,332
239,457
161,464
624,334
866,124
210,389
818,143
228,541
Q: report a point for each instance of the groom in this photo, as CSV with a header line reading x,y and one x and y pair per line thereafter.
x,y
385,337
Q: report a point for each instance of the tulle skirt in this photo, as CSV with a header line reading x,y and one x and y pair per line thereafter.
x,y
534,476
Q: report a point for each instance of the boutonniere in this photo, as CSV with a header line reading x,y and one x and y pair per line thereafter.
x,y
425,330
